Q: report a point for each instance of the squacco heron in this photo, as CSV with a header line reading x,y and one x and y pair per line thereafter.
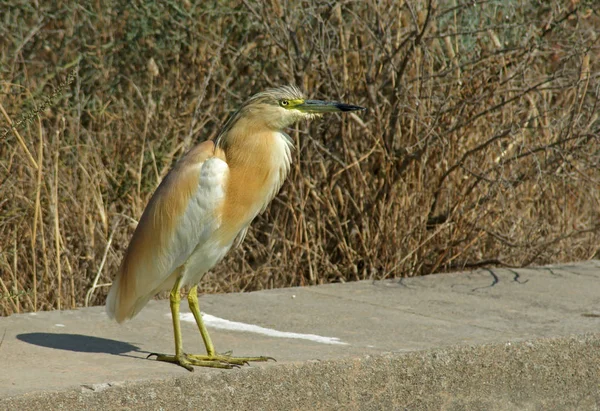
x,y
204,206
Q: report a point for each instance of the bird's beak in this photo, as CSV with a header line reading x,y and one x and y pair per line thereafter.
x,y
318,106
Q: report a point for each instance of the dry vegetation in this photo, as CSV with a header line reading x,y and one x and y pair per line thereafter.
x,y
480,147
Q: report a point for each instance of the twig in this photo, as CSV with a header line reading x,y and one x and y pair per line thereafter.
x,y
95,285
37,213
3,335
57,223
18,136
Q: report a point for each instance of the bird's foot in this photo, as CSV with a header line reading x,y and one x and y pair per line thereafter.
x,y
226,361
188,362
227,358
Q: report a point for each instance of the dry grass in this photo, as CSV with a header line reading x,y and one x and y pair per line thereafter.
x,y
480,147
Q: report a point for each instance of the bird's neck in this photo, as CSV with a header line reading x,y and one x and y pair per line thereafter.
x,y
248,150
258,163
252,147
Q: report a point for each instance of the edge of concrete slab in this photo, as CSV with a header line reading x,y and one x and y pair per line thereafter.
x,y
549,373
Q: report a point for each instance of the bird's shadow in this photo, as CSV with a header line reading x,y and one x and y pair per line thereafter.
x,y
82,343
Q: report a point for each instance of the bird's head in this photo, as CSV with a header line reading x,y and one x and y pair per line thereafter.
x,y
281,107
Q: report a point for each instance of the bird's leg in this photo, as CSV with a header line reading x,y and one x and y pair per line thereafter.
x,y
211,354
180,358
195,309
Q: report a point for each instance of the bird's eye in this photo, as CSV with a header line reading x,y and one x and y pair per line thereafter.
x,y
284,103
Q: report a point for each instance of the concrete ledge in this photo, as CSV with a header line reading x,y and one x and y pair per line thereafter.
x,y
489,340
544,374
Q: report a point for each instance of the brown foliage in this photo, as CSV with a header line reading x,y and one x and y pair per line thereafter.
x,y
480,145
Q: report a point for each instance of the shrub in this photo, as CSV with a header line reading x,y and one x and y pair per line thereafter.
x,y
480,146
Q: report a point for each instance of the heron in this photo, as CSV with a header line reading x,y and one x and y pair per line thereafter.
x,y
204,207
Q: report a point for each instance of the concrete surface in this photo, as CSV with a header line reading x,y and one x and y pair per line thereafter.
x,y
490,339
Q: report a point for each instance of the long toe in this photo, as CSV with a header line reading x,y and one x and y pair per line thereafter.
x,y
228,359
189,361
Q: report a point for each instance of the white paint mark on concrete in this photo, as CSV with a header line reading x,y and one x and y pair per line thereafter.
x,y
59,325
222,324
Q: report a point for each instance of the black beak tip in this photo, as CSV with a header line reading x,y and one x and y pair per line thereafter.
x,y
349,107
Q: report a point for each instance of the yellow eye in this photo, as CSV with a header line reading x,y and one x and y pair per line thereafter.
x,y
284,103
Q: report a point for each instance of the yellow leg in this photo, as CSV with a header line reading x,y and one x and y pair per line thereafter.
x,y
174,302
180,358
210,349
195,309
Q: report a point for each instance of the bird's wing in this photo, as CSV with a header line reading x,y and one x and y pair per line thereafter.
x,y
181,214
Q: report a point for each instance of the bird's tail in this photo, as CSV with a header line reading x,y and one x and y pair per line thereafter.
x,y
112,306
125,300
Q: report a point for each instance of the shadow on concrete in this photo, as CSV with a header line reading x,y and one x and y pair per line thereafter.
x,y
80,343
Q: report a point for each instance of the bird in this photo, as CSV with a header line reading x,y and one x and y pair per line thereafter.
x,y
204,206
